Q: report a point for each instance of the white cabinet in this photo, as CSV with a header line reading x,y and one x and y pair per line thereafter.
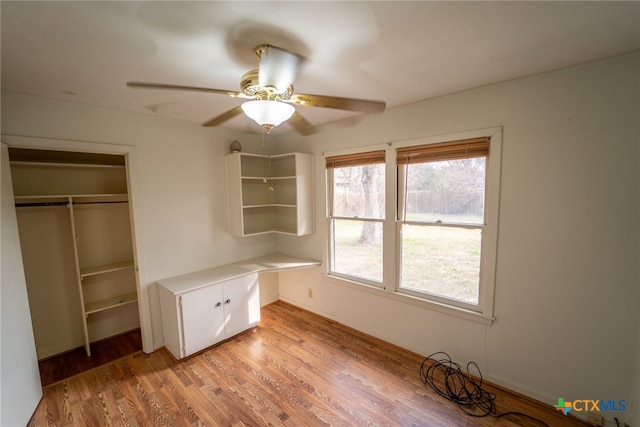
x,y
268,194
203,308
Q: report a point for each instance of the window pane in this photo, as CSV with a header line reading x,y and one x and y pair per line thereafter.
x,y
358,191
357,248
450,191
443,261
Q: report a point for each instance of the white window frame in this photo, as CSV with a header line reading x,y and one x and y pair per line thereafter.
x,y
331,217
483,312
400,222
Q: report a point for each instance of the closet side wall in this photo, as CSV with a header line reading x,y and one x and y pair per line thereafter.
x,y
49,265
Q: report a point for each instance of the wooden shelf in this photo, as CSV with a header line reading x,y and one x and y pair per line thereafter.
x,y
100,269
64,165
281,230
99,198
269,205
98,306
42,197
268,178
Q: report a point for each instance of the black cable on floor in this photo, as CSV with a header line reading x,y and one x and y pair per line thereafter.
x,y
461,388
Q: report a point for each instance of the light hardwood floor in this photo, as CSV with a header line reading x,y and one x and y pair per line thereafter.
x,y
294,369
68,364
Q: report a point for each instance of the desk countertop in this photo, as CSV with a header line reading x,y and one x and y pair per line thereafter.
x,y
268,263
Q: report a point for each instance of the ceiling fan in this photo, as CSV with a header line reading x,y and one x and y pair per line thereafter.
x,y
270,94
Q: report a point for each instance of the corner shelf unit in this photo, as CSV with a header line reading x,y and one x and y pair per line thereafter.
x,y
270,194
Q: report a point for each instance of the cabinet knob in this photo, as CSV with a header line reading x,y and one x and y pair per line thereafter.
x,y
227,301
218,304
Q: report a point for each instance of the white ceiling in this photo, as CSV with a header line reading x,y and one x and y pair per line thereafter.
x,y
398,52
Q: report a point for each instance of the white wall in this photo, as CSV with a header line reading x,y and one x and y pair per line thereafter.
x,y
179,196
567,287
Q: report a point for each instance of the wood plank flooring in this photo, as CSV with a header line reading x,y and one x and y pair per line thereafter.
x,y
294,369
71,363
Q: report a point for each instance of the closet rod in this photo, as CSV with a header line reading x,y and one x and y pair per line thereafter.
x,y
41,204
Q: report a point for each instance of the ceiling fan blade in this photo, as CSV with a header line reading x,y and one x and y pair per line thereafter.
x,y
301,124
227,115
277,67
145,85
349,104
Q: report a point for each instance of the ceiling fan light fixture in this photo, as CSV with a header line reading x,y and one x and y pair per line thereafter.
x,y
268,113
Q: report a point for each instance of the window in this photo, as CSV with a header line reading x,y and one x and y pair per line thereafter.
x,y
357,215
441,242
441,218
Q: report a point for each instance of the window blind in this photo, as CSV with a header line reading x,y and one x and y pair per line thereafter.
x,y
450,150
356,159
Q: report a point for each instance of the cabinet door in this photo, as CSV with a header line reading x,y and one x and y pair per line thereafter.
x,y
21,389
202,313
242,304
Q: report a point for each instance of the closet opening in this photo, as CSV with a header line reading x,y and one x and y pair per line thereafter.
x,y
76,238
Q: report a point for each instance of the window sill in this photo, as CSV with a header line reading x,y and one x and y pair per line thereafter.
x,y
415,301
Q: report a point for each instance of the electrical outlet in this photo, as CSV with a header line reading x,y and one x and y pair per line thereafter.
x,y
595,419
310,292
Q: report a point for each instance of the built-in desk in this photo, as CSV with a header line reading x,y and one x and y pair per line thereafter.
x,y
202,308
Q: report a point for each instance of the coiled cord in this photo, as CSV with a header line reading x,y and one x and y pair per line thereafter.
x,y
461,388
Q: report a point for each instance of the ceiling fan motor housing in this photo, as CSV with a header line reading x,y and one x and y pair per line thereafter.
x,y
250,86
278,67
